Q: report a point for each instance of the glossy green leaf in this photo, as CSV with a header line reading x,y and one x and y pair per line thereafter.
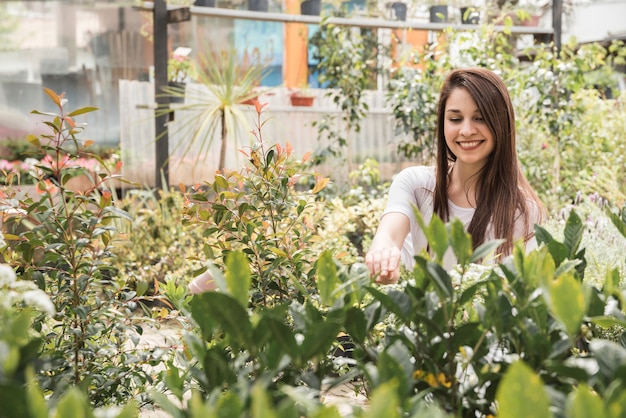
x,y
261,404
223,310
583,402
573,233
327,279
356,324
238,277
437,274
384,402
73,404
567,302
461,242
521,394
485,250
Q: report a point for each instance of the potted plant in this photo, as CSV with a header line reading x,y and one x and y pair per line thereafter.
x,y
438,11
180,70
226,81
301,97
311,7
470,15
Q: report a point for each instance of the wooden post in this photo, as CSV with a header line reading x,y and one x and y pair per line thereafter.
x,y
160,80
557,14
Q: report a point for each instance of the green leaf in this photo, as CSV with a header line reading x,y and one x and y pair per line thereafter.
x,y
608,321
437,274
583,402
384,402
567,302
573,233
461,242
261,405
281,334
619,220
36,403
436,233
521,394
397,302
356,324
327,279
485,249
73,404
223,310
238,277
82,111
318,339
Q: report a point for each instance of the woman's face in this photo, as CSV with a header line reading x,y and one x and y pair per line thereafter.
x,y
466,133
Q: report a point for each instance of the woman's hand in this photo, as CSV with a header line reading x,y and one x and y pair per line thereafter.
x,y
384,264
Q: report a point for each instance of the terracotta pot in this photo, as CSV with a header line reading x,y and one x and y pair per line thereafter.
x,y
302,100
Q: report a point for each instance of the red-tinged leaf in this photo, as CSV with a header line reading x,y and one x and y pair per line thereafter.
x,y
118,166
288,149
70,122
53,95
320,184
89,143
182,187
307,155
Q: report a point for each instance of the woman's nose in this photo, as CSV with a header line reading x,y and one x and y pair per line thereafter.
x,y
467,128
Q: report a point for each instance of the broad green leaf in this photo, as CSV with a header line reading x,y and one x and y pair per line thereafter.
x,y
327,279
583,402
36,404
567,302
437,275
222,309
318,339
617,407
397,302
485,249
356,324
261,404
384,402
521,394
573,233
129,411
280,334
608,321
461,242
238,277
73,404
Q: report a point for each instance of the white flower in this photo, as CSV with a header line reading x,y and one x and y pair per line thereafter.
x,y
40,300
7,275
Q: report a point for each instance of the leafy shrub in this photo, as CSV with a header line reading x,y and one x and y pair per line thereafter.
x,y
260,212
61,240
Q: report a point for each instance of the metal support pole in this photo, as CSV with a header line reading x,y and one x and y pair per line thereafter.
x,y
557,24
160,79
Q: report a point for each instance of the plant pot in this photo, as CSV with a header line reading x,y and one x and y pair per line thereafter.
x,y
258,5
179,87
204,3
311,7
306,101
533,21
470,16
438,14
399,10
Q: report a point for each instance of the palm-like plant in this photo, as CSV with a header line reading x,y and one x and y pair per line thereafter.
x,y
225,82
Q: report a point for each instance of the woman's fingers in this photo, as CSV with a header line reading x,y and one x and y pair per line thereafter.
x,y
384,264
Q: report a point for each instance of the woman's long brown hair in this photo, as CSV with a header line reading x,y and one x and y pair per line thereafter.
x,y
502,191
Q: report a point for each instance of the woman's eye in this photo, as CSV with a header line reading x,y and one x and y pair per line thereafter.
x,y
454,120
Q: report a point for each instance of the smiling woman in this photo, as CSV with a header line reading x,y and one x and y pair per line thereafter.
x,y
477,179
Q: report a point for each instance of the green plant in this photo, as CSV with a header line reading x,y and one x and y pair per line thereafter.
x,y
259,211
212,110
62,240
345,61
